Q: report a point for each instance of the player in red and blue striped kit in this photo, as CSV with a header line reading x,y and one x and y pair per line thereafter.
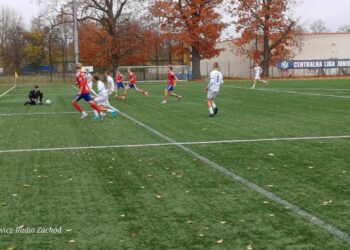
x,y
84,93
133,85
171,84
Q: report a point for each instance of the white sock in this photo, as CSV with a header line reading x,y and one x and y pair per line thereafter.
x,y
211,111
96,113
213,105
110,110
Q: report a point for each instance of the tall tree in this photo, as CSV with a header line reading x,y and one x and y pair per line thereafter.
x,y
267,33
344,29
11,38
318,26
132,47
107,16
194,23
35,50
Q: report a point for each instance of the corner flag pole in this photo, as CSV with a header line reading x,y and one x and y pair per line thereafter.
x,y
75,31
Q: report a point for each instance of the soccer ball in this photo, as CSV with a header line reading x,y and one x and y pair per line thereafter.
x,y
48,102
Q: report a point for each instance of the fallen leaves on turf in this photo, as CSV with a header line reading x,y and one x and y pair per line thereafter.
x,y
220,241
249,247
326,203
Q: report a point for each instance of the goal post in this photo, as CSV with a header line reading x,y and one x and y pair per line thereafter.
x,y
157,73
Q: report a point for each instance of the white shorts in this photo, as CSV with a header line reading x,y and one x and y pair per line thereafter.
x,y
110,92
212,94
102,100
89,85
257,77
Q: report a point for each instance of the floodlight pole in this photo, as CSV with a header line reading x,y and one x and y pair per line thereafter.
x,y
75,30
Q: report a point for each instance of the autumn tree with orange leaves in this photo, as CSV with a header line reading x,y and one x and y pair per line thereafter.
x,y
110,31
267,33
104,50
195,24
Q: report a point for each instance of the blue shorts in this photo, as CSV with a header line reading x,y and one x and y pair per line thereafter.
x,y
119,85
170,88
86,97
132,86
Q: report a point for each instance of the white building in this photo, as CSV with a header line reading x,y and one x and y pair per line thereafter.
x,y
322,46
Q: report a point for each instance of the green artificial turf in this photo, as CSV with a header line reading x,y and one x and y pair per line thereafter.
x,y
162,197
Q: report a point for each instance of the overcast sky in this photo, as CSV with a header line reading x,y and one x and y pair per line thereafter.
x,y
334,13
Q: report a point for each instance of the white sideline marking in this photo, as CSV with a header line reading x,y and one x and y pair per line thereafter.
x,y
39,113
174,144
290,92
7,91
307,216
320,89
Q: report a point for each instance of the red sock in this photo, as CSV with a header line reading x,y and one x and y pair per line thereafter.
x,y
77,106
95,107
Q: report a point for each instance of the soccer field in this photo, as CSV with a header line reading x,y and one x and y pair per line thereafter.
x,y
270,171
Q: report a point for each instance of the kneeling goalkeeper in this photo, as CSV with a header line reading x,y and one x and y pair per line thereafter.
x,y
35,96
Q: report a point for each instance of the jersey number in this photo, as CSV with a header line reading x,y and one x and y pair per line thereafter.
x,y
217,79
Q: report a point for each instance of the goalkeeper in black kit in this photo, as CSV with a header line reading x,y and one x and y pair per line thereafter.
x,y
35,96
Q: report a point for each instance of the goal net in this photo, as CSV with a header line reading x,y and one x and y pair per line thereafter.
x,y
157,73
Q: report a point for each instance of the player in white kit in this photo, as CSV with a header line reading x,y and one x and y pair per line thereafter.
x,y
89,80
216,79
110,82
102,98
257,70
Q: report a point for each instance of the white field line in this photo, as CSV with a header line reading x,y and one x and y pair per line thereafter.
x,y
222,169
39,113
290,92
174,144
45,94
7,91
316,89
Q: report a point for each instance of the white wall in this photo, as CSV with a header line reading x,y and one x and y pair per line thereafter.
x,y
315,46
